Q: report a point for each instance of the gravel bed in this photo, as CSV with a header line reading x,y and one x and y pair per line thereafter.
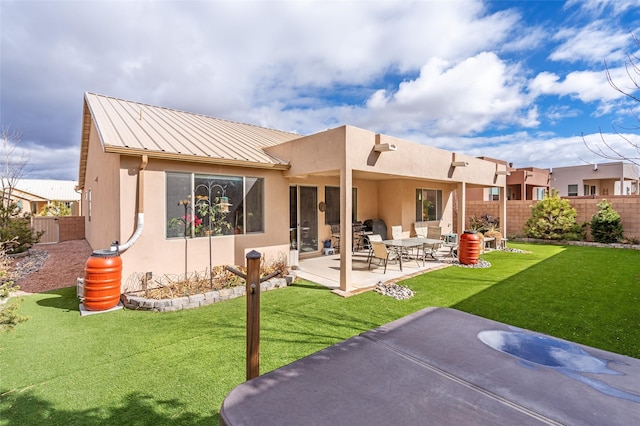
x,y
396,291
29,264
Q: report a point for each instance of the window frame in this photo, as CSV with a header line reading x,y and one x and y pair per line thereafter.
x,y
420,198
572,193
197,189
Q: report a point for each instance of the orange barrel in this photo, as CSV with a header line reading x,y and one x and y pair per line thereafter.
x,y
469,248
102,277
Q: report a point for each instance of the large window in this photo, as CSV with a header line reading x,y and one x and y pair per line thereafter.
x,y
428,204
332,201
199,205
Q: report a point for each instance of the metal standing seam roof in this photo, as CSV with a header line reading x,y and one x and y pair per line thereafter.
x,y
137,128
48,189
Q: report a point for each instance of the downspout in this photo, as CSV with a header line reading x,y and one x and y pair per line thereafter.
x,y
140,225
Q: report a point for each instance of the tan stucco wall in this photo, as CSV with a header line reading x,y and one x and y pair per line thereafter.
x,y
386,185
155,253
386,181
102,179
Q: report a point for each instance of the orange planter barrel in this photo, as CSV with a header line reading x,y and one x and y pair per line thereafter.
x,y
469,248
102,280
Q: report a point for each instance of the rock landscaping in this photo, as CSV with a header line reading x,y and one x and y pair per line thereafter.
x,y
132,301
396,291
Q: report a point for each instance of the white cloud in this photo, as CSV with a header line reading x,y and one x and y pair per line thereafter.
x,y
592,44
598,7
588,86
423,69
455,98
544,151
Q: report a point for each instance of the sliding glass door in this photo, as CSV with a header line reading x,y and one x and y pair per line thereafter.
x,y
303,218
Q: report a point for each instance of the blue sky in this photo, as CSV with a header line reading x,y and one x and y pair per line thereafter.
x,y
515,80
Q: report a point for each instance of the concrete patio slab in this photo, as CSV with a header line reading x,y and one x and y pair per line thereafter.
x,y
325,270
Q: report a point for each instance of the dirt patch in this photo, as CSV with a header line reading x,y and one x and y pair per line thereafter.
x,y
63,266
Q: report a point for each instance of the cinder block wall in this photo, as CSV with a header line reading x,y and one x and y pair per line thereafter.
x,y
71,228
518,211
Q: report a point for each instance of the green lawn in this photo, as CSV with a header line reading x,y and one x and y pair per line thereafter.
x,y
131,367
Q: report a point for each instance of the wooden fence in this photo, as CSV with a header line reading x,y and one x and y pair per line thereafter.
x,y
518,211
59,229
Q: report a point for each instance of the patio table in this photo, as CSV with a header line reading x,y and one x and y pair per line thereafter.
x,y
405,243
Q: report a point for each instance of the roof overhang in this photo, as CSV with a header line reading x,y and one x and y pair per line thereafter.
x,y
193,158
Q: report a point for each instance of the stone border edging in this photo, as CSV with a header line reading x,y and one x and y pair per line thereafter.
x,y
131,301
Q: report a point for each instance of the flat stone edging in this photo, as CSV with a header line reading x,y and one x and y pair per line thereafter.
x,y
131,301
577,243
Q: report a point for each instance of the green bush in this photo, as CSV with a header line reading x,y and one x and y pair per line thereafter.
x,y
55,208
16,234
606,226
554,219
9,316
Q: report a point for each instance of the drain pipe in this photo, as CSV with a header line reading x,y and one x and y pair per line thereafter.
x,y
140,225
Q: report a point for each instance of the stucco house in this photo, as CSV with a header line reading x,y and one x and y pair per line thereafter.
x,y
523,183
32,195
145,171
613,178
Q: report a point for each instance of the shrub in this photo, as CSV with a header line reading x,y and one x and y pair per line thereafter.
x,y
606,226
554,219
16,233
484,223
55,208
9,316
488,226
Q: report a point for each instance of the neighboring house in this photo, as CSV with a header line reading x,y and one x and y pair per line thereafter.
x,y
523,183
32,195
145,169
616,178
527,183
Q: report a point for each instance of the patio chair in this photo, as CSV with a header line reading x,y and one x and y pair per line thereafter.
x,y
358,236
421,229
431,250
396,232
372,238
382,253
434,232
335,237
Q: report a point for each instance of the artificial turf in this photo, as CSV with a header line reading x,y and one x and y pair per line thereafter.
x,y
139,368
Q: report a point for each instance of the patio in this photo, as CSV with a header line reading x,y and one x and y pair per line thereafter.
x,y
325,270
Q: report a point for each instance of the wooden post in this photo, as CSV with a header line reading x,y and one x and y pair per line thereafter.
x,y
253,314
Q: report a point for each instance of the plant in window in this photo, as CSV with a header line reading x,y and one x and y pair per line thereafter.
x,y
428,210
216,212
181,226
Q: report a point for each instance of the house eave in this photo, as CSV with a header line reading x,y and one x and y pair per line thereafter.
x,y
194,158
